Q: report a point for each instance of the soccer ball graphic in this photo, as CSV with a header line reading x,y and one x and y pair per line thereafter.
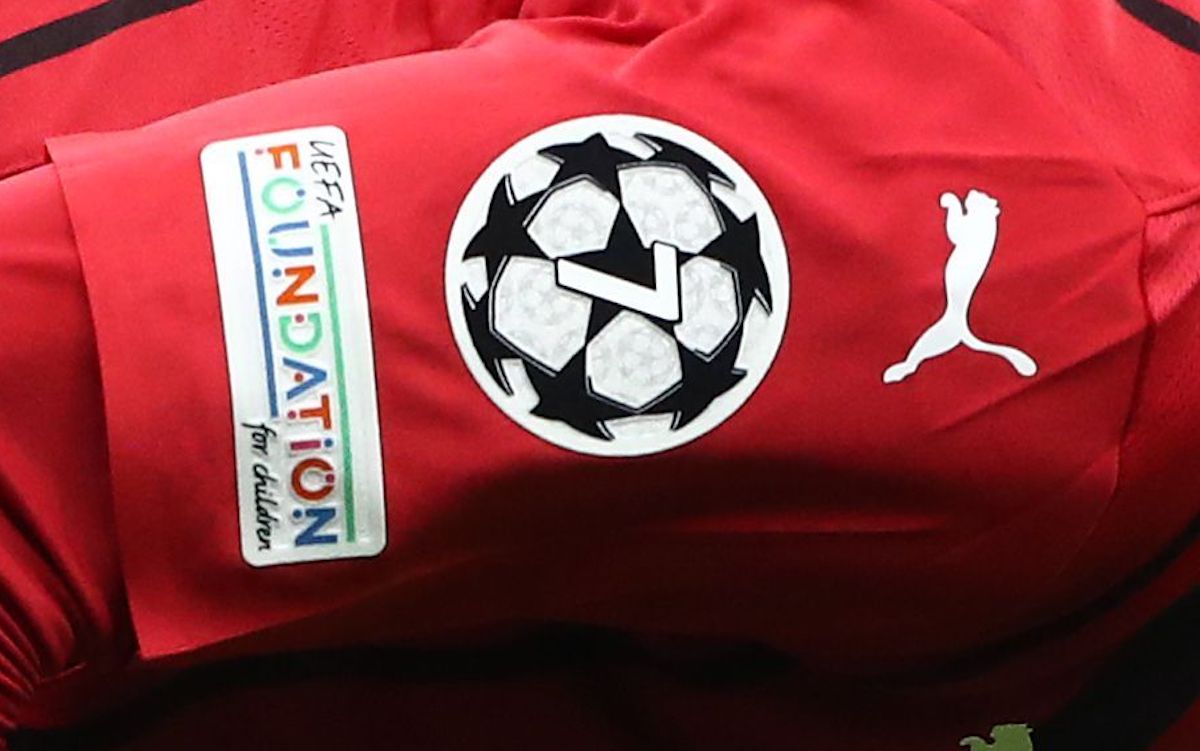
x,y
615,288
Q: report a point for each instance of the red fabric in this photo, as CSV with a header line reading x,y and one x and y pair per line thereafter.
x,y
1121,85
61,598
653,694
206,51
856,490
862,529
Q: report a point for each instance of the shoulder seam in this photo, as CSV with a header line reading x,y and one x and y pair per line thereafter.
x,y
1058,104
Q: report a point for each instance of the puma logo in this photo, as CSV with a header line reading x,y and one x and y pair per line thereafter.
x,y
1005,737
971,226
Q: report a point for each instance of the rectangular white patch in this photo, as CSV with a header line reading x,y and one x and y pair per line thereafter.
x,y
289,262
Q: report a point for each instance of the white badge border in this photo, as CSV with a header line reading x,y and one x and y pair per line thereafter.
x,y
473,214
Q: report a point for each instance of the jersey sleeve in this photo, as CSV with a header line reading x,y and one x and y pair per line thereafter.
x,y
62,602
72,66
414,146
458,473
887,482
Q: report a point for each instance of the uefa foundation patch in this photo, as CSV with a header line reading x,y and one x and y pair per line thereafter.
x,y
289,264
618,285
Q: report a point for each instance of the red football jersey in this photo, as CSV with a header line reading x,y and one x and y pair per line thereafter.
x,y
864,333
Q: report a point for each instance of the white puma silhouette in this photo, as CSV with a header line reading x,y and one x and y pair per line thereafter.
x,y
973,233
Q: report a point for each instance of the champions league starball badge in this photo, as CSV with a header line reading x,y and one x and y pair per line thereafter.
x,y
618,285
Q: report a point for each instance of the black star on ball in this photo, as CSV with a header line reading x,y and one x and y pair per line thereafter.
x,y
593,158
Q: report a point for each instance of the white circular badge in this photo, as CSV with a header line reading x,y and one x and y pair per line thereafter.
x,y
618,285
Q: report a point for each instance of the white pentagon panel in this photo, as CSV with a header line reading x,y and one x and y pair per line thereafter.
x,y
709,300
575,218
632,362
534,174
634,145
756,337
666,204
640,426
517,378
536,316
740,207
475,276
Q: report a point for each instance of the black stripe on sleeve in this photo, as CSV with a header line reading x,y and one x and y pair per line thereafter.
x,y
1174,24
78,30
